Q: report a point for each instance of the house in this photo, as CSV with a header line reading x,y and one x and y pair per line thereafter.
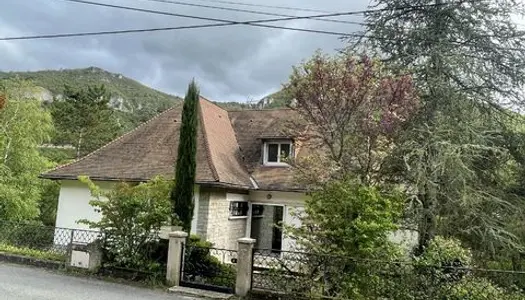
x,y
242,188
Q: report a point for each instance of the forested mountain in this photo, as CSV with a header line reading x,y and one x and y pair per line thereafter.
x,y
137,101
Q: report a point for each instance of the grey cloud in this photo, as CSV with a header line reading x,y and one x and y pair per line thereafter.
x,y
233,63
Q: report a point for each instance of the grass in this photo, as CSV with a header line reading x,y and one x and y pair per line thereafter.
x,y
39,254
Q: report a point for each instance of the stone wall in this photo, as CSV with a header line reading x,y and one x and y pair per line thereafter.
x,y
202,222
215,224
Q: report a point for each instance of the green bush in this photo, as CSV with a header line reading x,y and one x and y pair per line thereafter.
x,y
32,235
474,288
39,254
202,265
132,216
444,260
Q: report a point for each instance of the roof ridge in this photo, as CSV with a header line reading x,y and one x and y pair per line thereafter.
x,y
113,141
259,109
206,143
212,103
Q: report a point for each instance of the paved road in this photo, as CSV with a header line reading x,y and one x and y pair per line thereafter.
x,y
28,283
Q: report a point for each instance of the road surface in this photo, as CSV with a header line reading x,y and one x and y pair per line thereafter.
x,y
28,283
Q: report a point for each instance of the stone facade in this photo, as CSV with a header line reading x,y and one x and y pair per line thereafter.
x,y
215,224
202,215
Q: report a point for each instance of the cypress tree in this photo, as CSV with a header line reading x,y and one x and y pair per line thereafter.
x,y
182,193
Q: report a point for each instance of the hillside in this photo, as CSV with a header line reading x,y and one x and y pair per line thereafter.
x,y
134,99
275,100
278,99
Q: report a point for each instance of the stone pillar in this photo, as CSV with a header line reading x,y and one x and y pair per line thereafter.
x,y
175,256
243,282
249,221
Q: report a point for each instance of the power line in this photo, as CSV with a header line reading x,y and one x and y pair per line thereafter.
x,y
256,23
223,23
95,33
252,22
111,32
268,6
257,12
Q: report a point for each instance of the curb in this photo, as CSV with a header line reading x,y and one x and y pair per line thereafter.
x,y
185,291
25,260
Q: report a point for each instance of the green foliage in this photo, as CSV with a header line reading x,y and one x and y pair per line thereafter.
x,y
280,99
84,119
140,103
452,157
49,202
132,216
35,253
58,156
201,264
23,127
444,252
27,235
477,289
51,188
351,219
182,194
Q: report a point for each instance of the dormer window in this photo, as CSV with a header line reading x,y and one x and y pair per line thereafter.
x,y
276,152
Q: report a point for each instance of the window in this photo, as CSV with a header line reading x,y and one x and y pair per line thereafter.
x,y
276,152
257,210
239,209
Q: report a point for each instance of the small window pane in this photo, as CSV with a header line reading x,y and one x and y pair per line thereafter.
x,y
257,210
238,209
285,150
273,152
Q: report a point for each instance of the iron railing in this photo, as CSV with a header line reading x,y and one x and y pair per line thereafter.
x,y
46,241
313,276
209,268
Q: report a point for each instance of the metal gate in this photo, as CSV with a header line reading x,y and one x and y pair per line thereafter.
x,y
209,268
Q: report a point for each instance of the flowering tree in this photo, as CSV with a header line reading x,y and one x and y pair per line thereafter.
x,y
352,109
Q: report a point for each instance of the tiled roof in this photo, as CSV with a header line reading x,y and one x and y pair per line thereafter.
x,y
251,127
147,151
228,150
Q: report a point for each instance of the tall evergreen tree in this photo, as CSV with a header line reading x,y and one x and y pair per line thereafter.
x,y
84,119
467,59
182,194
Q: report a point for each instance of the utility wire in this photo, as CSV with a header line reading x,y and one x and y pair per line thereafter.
x,y
268,6
111,32
252,23
257,12
223,23
256,23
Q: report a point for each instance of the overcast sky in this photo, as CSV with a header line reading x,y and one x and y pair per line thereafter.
x,y
236,63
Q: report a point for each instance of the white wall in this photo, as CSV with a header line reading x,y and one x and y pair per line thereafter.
x,y
292,202
73,204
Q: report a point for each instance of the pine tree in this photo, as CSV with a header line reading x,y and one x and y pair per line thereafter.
x,y
467,59
84,119
182,193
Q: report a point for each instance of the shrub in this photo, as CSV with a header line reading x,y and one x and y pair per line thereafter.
x,y
446,253
444,260
32,235
477,289
39,254
201,265
132,216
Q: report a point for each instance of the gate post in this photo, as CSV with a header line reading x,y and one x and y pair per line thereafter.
x,y
243,281
175,256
